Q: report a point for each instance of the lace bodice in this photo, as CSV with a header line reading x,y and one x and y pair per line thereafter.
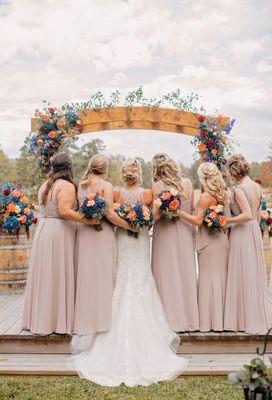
x,y
131,197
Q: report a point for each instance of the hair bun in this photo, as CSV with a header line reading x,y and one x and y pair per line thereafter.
x,y
131,172
238,166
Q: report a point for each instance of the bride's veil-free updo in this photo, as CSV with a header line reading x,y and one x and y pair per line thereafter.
x,y
238,166
166,170
212,181
98,165
131,172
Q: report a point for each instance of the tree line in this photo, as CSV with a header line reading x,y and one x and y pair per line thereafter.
x,y
22,170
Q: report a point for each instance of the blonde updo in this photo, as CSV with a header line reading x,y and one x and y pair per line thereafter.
x,y
212,181
166,170
98,165
131,172
238,166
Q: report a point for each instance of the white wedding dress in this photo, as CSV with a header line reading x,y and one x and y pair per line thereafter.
x,y
139,347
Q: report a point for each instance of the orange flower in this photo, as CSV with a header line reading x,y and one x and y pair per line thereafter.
x,y
173,206
23,199
60,123
127,209
220,118
224,139
166,196
214,152
202,147
27,211
116,206
16,193
90,196
23,219
52,134
40,142
11,207
132,215
212,215
222,220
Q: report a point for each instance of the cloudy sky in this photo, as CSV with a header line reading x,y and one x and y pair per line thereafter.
x,y
61,50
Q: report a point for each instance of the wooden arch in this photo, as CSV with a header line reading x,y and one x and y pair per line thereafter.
x,y
159,119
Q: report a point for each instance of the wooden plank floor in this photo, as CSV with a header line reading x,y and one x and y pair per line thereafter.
x,y
60,364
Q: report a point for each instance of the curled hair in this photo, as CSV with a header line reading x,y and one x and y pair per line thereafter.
x,y
98,165
166,170
238,166
212,181
131,172
61,168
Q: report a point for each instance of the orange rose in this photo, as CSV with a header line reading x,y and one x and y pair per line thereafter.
x,y
27,211
212,215
116,206
214,152
224,139
16,193
90,196
23,199
23,219
52,134
166,196
60,123
220,118
222,220
173,206
11,207
202,147
132,215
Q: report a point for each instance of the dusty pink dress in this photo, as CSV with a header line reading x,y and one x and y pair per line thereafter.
x,y
174,270
246,297
212,250
49,299
95,274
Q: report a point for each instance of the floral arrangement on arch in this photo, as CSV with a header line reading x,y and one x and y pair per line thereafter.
x,y
15,210
210,143
52,128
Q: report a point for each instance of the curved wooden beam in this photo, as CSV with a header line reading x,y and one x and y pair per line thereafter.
x,y
160,119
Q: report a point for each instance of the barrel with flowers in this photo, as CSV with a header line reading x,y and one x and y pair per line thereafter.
x,y
16,218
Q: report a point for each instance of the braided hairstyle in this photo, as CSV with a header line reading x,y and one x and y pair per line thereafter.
x,y
131,172
98,165
61,168
166,170
238,167
212,181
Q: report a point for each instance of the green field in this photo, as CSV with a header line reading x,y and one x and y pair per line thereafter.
x,y
72,388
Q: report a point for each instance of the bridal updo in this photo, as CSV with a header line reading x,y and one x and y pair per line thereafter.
x,y
131,172
212,181
166,170
98,165
238,167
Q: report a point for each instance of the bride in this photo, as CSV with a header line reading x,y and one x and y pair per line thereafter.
x,y
139,347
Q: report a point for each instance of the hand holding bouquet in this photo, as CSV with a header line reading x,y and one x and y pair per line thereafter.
x,y
215,219
140,217
15,210
94,206
168,202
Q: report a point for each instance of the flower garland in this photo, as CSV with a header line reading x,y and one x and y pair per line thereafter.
x,y
15,210
210,143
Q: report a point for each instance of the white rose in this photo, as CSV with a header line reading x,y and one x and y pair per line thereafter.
x,y
174,192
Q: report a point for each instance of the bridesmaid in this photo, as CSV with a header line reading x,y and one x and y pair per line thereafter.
x,y
246,298
173,256
49,300
96,256
212,249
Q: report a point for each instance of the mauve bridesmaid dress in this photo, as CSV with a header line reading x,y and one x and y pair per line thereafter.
x,y
174,269
49,299
212,251
95,275
246,297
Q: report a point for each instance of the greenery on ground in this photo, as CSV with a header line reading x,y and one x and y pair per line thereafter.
x,y
72,388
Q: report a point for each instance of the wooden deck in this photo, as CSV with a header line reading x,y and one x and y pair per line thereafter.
x,y
23,353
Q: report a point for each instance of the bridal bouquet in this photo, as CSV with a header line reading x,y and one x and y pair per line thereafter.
x,y
15,210
122,210
94,206
215,218
169,201
140,217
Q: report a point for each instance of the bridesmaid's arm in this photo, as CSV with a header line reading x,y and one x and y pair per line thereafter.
x,y
148,197
66,198
111,215
246,214
197,220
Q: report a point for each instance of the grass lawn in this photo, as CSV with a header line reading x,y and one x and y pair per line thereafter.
x,y
72,388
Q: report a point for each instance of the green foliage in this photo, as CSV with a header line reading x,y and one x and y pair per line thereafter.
x,y
7,168
72,388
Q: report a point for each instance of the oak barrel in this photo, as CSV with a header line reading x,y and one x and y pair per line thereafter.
x,y
14,259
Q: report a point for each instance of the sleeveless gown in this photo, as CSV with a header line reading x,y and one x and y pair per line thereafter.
x,y
174,270
246,297
212,252
49,298
137,349
95,274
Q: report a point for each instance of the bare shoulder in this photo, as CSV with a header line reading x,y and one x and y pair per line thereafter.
x,y
205,199
67,186
107,185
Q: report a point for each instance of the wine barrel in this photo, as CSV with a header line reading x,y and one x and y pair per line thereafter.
x,y
14,259
267,246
